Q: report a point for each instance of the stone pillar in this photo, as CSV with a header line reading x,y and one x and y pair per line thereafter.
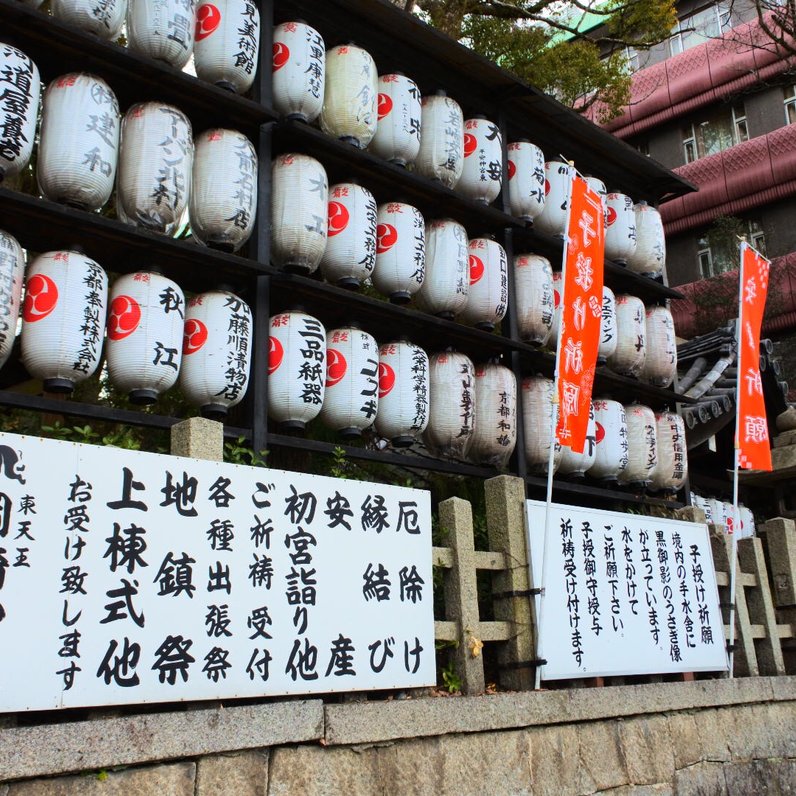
x,y
780,536
198,438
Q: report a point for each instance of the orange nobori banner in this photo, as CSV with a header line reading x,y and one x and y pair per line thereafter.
x,y
751,434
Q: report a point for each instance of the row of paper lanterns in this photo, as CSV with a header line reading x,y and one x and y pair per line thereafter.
x,y
721,512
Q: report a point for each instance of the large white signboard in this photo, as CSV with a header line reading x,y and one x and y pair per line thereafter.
x,y
130,577
625,594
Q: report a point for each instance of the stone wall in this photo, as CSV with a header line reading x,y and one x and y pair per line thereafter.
x,y
704,737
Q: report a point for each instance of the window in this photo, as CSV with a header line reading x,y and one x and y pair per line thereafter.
x,y
718,132
643,147
710,22
705,258
757,238
739,127
790,104
632,60
717,248
689,144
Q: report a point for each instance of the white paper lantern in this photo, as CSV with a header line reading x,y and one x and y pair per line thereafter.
x,y
397,137
631,334
12,272
642,446
79,145
575,464
702,503
488,297
162,29
299,210
620,228
351,399
598,186
672,467
66,296
526,179
608,335
495,434
553,217
649,257
447,271
611,435
403,392
223,202
350,254
747,522
227,44
155,162
482,173
400,251
298,71
533,284
441,155
103,19
451,416
537,419
558,289
20,89
146,319
216,351
350,99
660,363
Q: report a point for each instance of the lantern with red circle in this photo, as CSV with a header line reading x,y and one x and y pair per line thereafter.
x,y
558,289
447,279
298,71
403,392
451,415
227,43
610,458
553,217
495,433
598,186
351,399
526,179
216,351
660,364
642,446
620,228
162,29
12,272
145,335
350,254
537,420
482,173
672,469
649,258
631,334
350,102
608,336
441,155
488,297
397,137
63,319
400,251
79,144
102,19
299,211
223,201
155,162
533,284
296,369
19,109
574,465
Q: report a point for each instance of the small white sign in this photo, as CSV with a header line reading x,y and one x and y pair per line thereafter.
x,y
129,577
624,594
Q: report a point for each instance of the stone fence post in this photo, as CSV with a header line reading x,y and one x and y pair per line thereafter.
x,y
198,438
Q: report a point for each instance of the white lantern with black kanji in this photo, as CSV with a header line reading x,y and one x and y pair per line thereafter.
x,y
482,173
223,202
227,43
611,434
397,137
608,336
649,257
20,89
299,211
553,217
575,465
298,71
350,254
488,297
672,468
351,398
162,29
79,141
495,433
631,335
350,98
558,289
660,364
441,155
537,419
598,186
103,19
642,446
155,163
400,251
403,392
63,319
620,228
451,416
12,272
447,277
146,320
526,179
533,284
216,351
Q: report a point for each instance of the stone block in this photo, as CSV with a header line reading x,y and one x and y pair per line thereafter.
x,y
783,457
241,774
198,438
780,540
750,776
660,789
412,768
703,779
783,772
556,768
712,733
601,754
319,771
692,514
786,421
647,749
685,739
785,438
